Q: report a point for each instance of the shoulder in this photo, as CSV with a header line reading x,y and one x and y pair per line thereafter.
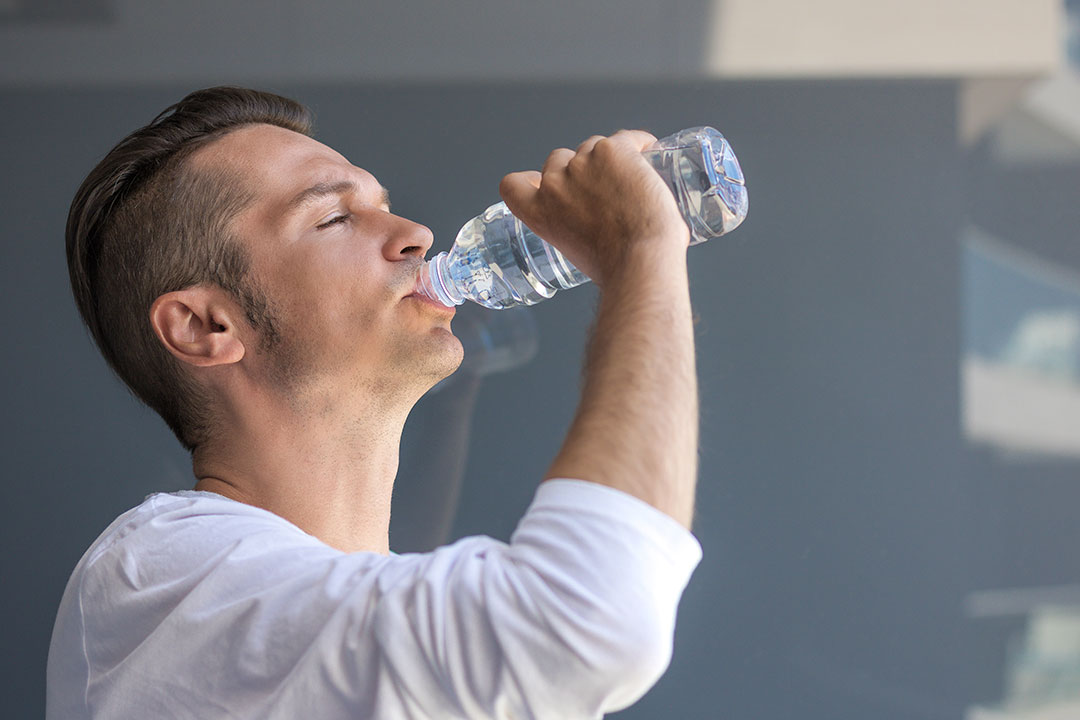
x,y
187,521
171,543
146,564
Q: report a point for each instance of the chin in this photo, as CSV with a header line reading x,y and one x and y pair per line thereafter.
x,y
438,357
451,360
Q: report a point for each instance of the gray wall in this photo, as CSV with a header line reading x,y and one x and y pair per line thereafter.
x,y
132,42
842,515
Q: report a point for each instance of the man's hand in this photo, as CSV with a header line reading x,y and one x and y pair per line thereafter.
x,y
602,205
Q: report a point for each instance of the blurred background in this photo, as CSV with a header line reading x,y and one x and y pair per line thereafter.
x,y
889,346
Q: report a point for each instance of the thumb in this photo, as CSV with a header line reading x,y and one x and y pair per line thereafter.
x,y
518,191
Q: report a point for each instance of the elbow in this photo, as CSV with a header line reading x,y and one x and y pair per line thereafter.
x,y
619,664
641,657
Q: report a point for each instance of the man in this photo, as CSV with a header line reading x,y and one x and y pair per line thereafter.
x,y
252,286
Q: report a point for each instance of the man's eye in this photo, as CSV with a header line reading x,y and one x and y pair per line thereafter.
x,y
334,221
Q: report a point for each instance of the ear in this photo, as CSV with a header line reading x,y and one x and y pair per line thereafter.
x,y
197,325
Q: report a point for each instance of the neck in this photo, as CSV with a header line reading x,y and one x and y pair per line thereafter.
x,y
328,469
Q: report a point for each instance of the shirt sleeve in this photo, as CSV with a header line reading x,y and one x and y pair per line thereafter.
x,y
573,619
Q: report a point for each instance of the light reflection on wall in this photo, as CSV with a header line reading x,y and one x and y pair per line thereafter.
x,y
1021,355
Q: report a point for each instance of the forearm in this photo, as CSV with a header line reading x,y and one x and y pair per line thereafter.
x,y
636,428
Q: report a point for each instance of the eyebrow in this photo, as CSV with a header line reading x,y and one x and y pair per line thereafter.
x,y
320,190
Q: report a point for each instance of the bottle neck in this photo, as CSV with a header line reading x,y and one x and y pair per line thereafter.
x,y
433,280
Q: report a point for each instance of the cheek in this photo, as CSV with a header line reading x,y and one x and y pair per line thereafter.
x,y
342,318
334,295
325,276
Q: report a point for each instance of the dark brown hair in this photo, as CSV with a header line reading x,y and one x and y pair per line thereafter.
x,y
145,223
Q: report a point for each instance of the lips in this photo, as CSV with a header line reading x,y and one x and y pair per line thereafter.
x,y
422,297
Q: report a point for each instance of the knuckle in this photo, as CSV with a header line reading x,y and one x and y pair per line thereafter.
x,y
577,161
589,141
636,138
557,153
605,145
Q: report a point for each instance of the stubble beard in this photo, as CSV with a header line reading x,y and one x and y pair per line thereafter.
x,y
407,367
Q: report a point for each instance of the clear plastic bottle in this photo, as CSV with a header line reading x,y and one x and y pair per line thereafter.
x,y
498,262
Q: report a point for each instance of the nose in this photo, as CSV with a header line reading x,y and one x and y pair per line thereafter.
x,y
408,239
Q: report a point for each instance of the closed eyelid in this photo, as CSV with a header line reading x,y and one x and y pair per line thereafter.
x,y
334,219
341,188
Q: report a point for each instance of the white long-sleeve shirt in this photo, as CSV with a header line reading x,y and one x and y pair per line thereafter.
x,y
192,605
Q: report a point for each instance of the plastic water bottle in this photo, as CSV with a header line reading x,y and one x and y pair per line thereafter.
x,y
499,262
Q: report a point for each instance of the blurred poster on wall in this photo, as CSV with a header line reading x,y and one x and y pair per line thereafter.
x,y
1020,361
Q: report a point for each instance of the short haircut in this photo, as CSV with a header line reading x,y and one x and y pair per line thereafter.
x,y
145,222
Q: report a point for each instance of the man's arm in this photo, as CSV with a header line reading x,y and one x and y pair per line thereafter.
x,y
606,209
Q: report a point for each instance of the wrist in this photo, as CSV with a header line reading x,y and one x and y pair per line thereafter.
x,y
653,263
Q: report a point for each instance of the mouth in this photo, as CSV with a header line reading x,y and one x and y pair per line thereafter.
x,y
421,297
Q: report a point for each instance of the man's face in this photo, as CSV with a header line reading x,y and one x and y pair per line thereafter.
x,y
337,268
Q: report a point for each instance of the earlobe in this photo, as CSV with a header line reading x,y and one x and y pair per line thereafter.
x,y
196,327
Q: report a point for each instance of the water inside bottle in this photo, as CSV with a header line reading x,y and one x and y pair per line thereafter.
x,y
706,180
501,263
